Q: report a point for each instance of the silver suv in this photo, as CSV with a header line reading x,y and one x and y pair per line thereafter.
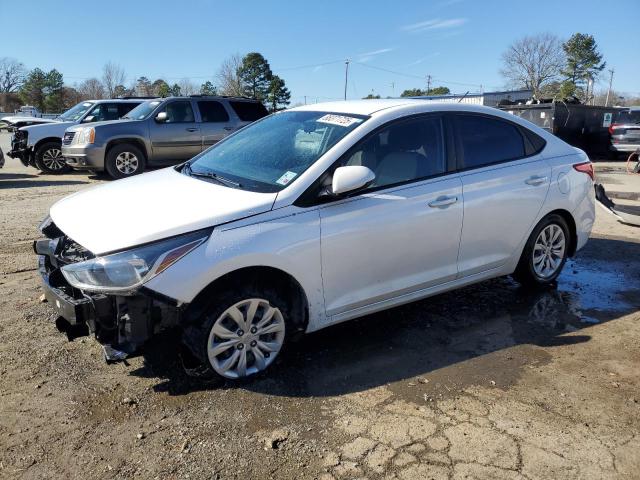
x,y
157,133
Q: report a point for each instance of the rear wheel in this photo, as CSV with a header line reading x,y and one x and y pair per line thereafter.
x,y
49,159
240,334
545,252
124,160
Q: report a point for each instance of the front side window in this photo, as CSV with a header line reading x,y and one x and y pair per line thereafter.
x,y
402,152
105,111
212,111
485,140
179,112
270,154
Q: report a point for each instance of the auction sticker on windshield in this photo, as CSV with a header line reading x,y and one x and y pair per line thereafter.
x,y
286,178
341,120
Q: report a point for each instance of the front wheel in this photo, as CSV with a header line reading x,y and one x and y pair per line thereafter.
x,y
239,335
124,160
545,252
49,159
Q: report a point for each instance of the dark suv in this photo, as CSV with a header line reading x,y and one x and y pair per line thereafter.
x,y
625,131
157,133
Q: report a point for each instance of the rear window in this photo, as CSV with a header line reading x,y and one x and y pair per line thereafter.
x,y
249,111
630,117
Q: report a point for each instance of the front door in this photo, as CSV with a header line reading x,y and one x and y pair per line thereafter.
x,y
400,236
178,138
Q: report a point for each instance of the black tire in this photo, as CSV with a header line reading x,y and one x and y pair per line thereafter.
x,y
525,272
124,152
48,158
196,334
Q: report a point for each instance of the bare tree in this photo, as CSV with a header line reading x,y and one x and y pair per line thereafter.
x,y
187,87
112,76
229,82
533,61
12,74
91,89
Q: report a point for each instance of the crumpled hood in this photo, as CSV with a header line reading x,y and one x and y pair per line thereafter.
x,y
13,119
149,207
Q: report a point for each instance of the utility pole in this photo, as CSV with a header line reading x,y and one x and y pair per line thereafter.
x,y
428,84
393,89
346,76
606,102
305,99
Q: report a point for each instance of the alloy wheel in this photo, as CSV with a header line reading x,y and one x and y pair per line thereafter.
x,y
53,159
549,250
246,338
127,163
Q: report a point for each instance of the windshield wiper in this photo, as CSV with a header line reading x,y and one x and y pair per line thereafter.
x,y
219,178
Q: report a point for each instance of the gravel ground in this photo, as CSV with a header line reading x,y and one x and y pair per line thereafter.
x,y
489,382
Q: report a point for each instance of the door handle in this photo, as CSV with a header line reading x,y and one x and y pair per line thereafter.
x,y
536,180
442,202
228,129
192,129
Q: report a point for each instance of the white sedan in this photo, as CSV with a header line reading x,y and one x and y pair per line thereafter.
x,y
310,217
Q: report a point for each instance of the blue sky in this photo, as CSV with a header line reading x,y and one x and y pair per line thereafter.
x,y
457,42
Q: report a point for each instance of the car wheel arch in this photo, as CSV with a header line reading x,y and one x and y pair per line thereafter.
x,y
42,141
262,275
131,141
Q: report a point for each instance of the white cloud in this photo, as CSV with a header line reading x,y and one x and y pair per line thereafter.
x,y
434,24
368,56
376,52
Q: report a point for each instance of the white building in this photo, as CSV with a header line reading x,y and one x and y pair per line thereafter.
x,y
489,99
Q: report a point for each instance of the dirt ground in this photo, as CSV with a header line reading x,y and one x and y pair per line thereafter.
x,y
489,382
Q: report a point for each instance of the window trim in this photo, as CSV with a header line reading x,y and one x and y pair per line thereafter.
x,y
459,149
309,198
164,107
224,109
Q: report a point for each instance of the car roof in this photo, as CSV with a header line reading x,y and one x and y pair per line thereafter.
x,y
372,107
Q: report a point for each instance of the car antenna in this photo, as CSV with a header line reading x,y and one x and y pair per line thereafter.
x,y
463,96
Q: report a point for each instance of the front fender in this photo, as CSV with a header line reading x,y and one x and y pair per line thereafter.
x,y
290,244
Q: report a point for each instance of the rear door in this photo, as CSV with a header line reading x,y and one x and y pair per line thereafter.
x,y
178,138
505,181
215,123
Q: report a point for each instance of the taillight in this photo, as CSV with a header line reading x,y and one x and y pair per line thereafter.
x,y
586,167
612,126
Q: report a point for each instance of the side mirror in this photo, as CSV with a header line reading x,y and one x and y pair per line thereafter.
x,y
161,117
89,119
351,178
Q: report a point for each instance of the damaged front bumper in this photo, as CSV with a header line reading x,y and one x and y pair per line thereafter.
x,y
121,323
19,149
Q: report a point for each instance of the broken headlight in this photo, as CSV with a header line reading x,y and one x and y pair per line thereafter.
x,y
125,271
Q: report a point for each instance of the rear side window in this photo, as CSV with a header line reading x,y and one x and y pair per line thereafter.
x,y
534,142
249,111
485,140
212,111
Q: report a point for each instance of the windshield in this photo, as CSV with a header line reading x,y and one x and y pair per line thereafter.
x,y
629,117
268,155
143,110
74,113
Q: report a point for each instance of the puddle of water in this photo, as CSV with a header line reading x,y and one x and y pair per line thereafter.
x,y
595,285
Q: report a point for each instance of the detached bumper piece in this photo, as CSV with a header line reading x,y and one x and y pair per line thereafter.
x,y
624,213
121,323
